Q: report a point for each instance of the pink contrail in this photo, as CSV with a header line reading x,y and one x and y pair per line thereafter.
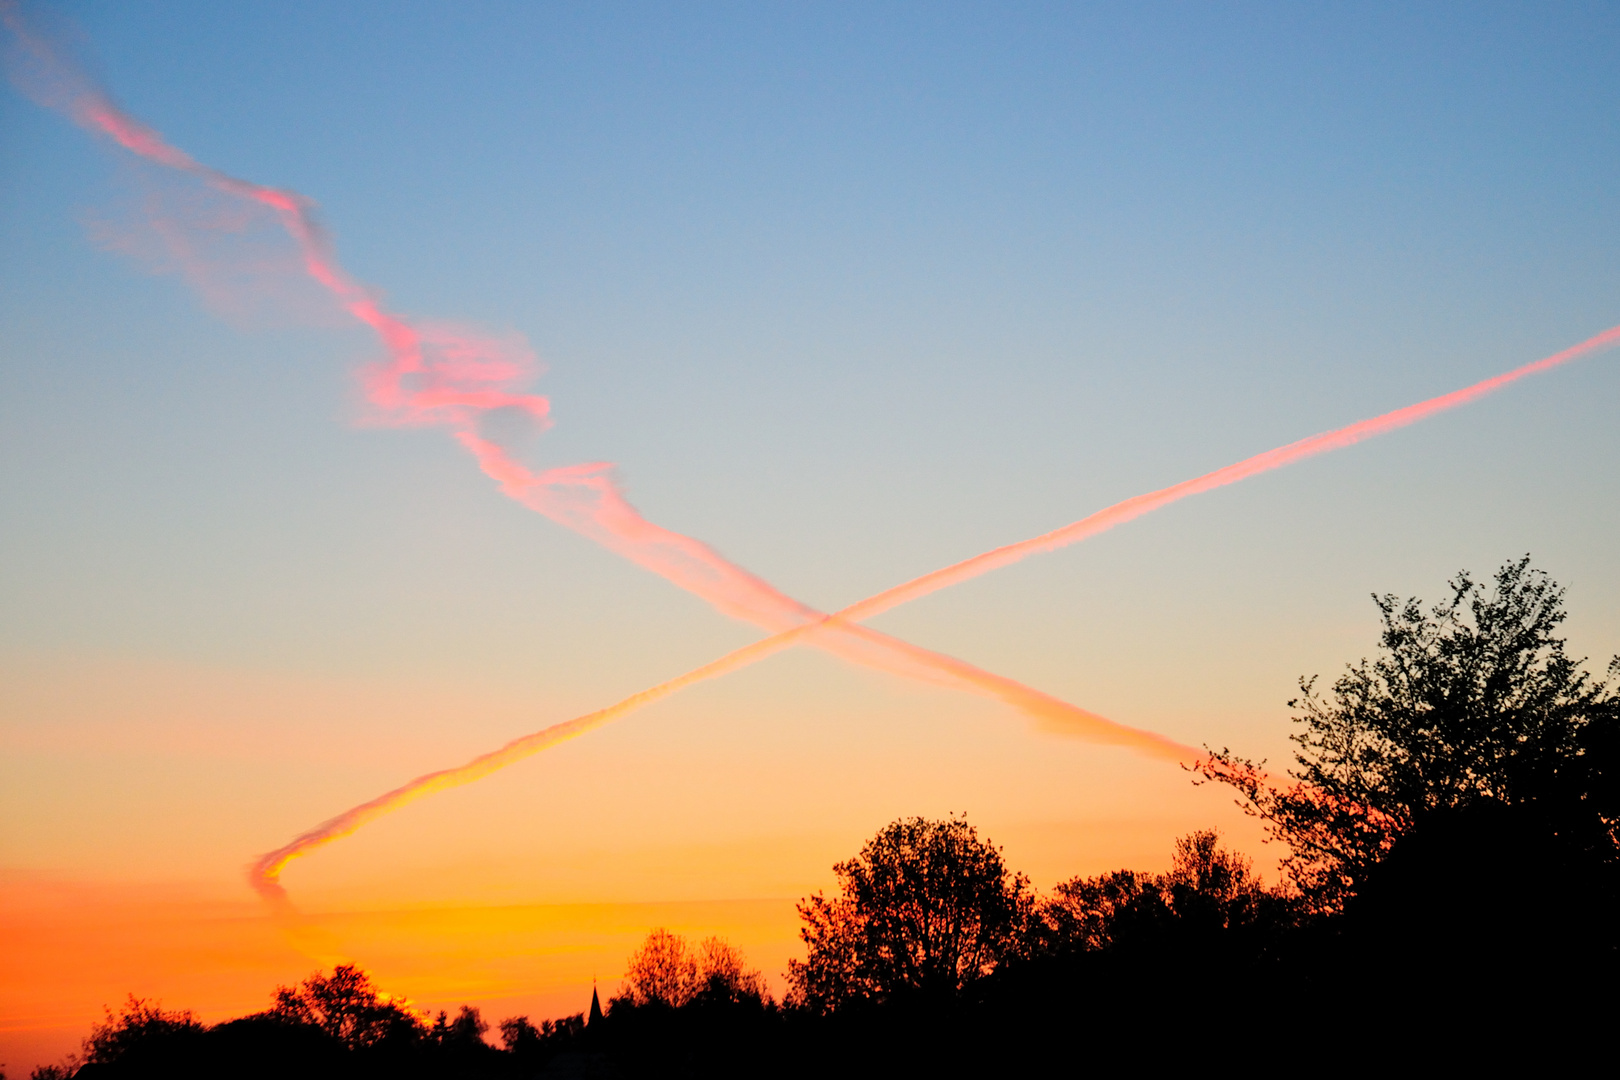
x,y
446,377
431,376
854,642
1060,714
1054,713
440,375
451,378
1135,507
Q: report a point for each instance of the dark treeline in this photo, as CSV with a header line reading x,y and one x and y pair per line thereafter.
x,y
1448,897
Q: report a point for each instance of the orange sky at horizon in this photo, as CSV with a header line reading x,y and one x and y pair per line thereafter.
x,y
799,298
78,947
445,909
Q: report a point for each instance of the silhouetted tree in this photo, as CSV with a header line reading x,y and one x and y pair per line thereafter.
x,y
532,1047
459,1043
328,1026
667,970
568,1027
519,1036
347,1007
1086,914
1474,702
723,974
466,1030
1209,889
924,910
685,1010
140,1034
662,971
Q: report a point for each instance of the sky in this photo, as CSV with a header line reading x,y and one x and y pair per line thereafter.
x,y
848,292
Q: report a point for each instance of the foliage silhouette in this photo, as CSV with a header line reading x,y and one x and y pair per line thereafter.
x,y
688,1011
1451,880
1474,703
667,970
1208,892
1452,824
347,1008
336,1025
140,1026
925,910
663,971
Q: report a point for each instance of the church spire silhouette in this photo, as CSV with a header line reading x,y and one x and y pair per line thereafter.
x,y
596,1006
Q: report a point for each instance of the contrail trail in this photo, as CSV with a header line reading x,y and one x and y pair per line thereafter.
x,y
452,378
266,872
1052,712
1132,508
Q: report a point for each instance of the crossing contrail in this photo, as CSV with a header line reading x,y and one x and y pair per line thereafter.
x,y
454,378
1051,712
1132,508
446,376
1058,714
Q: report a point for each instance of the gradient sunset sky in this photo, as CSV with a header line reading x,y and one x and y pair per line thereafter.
x,y
848,292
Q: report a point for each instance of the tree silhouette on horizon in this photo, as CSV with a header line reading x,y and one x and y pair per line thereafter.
x,y
925,909
1451,883
1471,706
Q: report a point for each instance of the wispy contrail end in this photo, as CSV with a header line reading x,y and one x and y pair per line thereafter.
x,y
432,375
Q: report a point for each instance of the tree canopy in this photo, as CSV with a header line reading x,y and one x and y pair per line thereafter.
x,y
1208,890
346,1006
1453,866
925,909
667,970
1474,702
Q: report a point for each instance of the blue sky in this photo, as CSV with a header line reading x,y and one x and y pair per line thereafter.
x,y
848,291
